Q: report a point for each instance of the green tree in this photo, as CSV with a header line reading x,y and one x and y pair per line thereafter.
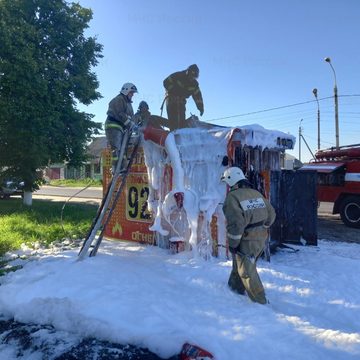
x,y
46,67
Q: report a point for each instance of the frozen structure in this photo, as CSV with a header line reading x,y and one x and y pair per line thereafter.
x,y
177,177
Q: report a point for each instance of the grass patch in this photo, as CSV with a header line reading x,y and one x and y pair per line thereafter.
x,y
77,182
41,223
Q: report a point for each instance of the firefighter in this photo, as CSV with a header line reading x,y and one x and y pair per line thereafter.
x,y
142,116
119,119
248,215
180,86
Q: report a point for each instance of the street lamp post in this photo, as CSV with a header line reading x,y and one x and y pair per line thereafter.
x,y
300,136
328,60
318,115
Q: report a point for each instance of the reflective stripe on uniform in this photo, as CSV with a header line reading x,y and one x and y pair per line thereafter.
x,y
170,83
234,237
113,126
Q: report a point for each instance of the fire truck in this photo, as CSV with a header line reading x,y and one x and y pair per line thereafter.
x,y
338,172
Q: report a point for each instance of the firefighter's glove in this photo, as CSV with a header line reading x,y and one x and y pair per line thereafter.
x,y
129,123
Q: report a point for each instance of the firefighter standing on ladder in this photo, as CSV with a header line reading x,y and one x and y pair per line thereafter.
x,y
248,215
180,86
119,119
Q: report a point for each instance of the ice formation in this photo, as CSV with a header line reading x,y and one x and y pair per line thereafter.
x,y
184,181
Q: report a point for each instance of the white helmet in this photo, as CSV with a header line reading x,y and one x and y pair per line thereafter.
x,y
127,88
232,175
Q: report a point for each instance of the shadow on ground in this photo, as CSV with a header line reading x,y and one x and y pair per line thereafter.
x,y
31,340
330,227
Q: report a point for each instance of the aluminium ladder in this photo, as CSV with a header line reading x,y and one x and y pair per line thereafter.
x,y
108,203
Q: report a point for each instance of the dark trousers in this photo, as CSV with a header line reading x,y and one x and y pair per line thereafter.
x,y
175,107
114,138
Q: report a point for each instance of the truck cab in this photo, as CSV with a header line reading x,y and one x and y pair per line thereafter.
x,y
338,174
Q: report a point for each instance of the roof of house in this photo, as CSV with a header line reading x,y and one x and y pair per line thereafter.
x,y
96,147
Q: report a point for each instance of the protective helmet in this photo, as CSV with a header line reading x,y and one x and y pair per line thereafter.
x,y
193,70
232,175
143,105
128,88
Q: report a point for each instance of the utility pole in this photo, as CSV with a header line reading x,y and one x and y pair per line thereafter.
x,y
328,60
300,135
315,92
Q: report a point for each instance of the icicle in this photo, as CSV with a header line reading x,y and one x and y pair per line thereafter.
x,y
178,172
196,158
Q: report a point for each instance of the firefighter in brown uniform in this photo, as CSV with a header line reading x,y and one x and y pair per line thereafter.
x,y
119,118
142,116
180,86
248,215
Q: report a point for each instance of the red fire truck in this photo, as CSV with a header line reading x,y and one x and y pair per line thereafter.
x,y
338,171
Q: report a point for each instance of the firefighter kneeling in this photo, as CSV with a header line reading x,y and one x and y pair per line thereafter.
x,y
248,215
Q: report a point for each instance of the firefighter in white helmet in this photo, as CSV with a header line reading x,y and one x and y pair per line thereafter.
x,y
119,118
248,215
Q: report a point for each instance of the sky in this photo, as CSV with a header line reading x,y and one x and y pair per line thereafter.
x,y
253,56
142,295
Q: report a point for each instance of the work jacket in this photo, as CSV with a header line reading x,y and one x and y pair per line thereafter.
x,y
248,215
119,113
180,84
141,117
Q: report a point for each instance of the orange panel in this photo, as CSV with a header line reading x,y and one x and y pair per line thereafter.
x,y
266,177
130,219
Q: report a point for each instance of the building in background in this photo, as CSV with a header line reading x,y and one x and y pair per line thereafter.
x,y
91,169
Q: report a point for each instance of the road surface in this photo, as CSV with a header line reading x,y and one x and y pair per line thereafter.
x,y
63,193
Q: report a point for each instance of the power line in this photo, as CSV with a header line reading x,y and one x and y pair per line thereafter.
x,y
279,108
351,95
322,141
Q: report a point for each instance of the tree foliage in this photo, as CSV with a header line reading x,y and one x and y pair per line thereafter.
x,y
45,71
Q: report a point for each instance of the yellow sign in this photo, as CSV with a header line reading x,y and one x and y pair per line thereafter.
x,y
137,196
